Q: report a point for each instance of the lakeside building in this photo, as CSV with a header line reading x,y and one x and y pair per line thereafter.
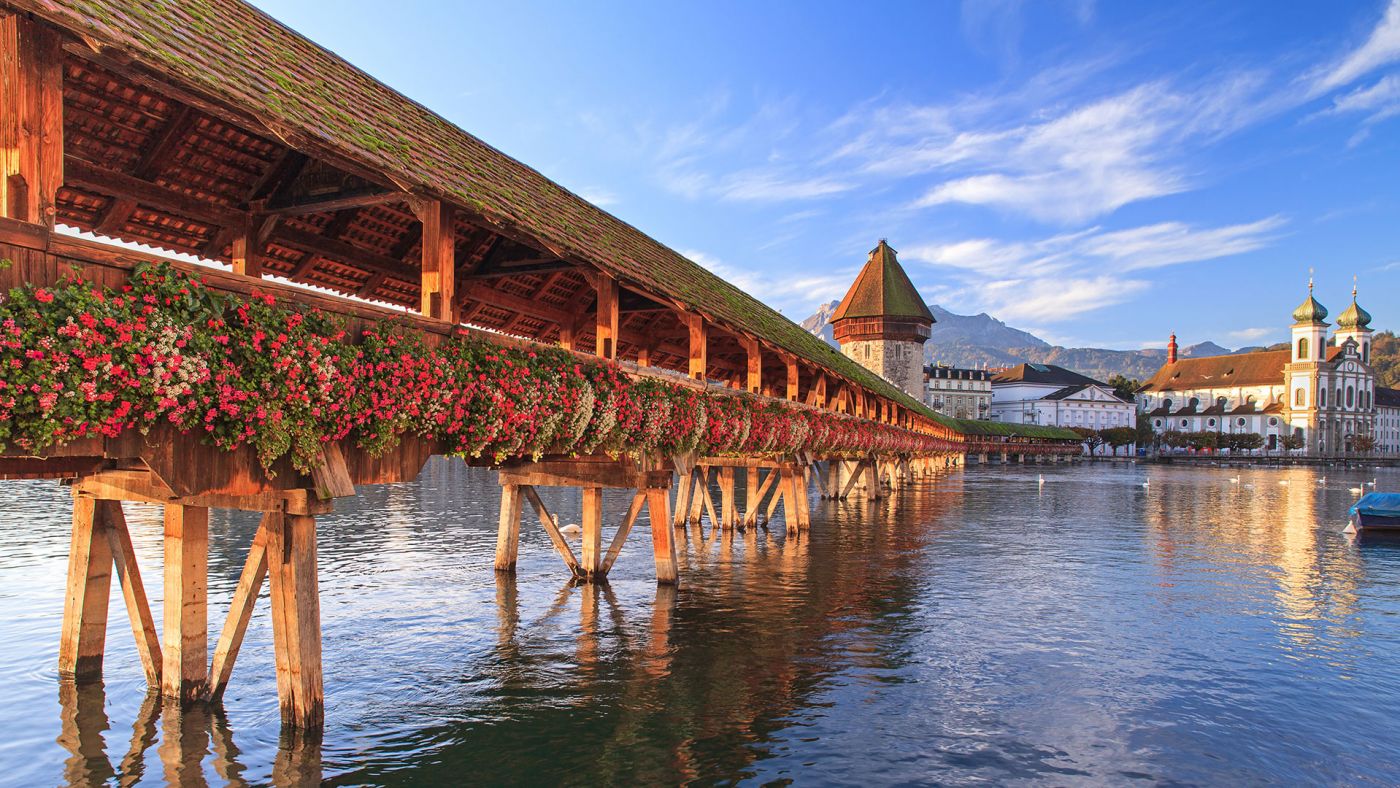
x,y
957,392
1323,393
1055,396
883,322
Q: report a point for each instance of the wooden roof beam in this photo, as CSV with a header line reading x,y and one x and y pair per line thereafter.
x,y
355,198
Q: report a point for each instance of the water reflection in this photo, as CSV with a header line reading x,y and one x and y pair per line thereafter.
x,y
182,740
977,626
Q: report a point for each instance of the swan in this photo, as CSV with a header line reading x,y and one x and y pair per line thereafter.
x,y
1234,480
1041,480
1283,481
572,529
1357,490
1322,480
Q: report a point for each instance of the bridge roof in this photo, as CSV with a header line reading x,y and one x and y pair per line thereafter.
x,y
289,88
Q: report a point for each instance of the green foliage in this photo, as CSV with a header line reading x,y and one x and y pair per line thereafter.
x,y
1124,386
1385,358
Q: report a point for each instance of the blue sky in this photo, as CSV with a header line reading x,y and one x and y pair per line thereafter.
x,y
1098,173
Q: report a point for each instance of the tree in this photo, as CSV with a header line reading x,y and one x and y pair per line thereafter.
x,y
1363,444
1125,386
1291,442
1092,439
1245,441
1203,440
1174,438
1146,436
1385,358
1119,436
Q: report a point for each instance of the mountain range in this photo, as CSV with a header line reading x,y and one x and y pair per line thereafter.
x,y
983,341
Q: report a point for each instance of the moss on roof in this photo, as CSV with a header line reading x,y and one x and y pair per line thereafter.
x,y
882,289
243,59
1001,428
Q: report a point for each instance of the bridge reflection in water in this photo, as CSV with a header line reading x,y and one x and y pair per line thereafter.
x,y
974,626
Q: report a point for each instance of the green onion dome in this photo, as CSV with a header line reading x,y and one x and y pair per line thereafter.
x,y
1354,317
1310,311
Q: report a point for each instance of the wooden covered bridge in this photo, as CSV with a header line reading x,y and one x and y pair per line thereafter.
x,y
209,129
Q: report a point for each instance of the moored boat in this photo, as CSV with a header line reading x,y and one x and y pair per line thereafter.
x,y
1375,512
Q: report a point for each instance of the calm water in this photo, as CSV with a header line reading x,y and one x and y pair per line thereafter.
x,y
976,628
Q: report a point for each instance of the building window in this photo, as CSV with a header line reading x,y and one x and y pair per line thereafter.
x,y
1183,422
1303,349
1157,423
1273,422
1300,397
1210,423
1351,396
1322,398
1241,421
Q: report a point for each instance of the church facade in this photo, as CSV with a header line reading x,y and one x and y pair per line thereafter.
x,y
1324,394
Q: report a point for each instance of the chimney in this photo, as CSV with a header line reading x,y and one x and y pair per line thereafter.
x,y
1171,349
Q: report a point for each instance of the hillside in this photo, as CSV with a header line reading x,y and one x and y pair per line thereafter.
x,y
982,340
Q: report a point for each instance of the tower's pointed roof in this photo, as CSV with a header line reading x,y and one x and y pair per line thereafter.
x,y
1354,317
1310,311
883,290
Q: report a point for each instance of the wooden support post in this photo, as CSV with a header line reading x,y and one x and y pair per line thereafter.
x,y
84,635
685,476
620,536
296,619
663,538
793,378
607,318
699,346
246,254
591,558
726,497
31,121
750,497
550,528
699,493
819,391
185,669
240,611
439,274
791,515
872,478
138,608
643,356
754,357
508,531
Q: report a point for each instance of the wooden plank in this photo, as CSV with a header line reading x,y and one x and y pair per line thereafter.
x,y
685,478
508,528
185,668
296,620
240,612
751,484
330,474
663,538
339,201
853,480
615,548
84,633
31,123
591,553
793,378
551,528
439,248
138,608
86,175
144,487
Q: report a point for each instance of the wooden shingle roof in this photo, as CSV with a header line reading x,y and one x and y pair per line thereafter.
x,y
239,63
882,289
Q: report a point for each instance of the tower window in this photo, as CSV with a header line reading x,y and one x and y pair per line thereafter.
x,y
1303,349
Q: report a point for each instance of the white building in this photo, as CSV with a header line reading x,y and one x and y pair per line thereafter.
x,y
1325,394
1054,396
959,393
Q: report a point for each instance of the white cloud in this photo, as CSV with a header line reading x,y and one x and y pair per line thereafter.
x,y
1378,102
1170,243
1056,299
1057,278
599,197
1252,334
1381,48
791,294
